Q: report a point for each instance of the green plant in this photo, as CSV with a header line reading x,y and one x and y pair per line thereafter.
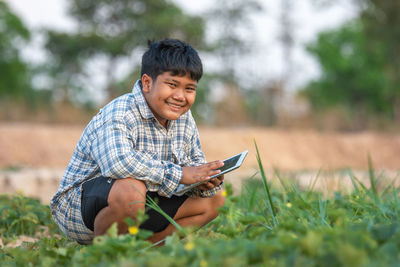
x,y
360,228
20,215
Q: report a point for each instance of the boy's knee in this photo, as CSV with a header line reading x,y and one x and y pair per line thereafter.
x,y
127,196
218,201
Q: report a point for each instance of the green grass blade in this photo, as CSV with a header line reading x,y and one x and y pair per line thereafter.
x,y
314,181
352,178
388,188
282,181
321,208
368,191
253,194
152,204
372,178
395,198
372,196
266,187
322,211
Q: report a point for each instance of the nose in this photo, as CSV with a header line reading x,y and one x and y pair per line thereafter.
x,y
179,95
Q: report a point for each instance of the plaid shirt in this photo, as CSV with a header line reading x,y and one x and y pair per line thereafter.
x,y
125,140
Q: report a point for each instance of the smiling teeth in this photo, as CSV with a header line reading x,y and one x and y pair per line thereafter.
x,y
173,105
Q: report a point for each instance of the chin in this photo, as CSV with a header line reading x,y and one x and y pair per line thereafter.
x,y
172,118
175,116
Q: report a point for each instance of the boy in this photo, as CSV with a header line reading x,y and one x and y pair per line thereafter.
x,y
142,143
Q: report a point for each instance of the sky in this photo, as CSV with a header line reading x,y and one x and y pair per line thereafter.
x,y
266,58
264,61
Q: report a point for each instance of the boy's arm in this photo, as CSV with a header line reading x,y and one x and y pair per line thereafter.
x,y
197,157
113,150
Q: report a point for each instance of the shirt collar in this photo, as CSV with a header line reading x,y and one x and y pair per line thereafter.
x,y
143,107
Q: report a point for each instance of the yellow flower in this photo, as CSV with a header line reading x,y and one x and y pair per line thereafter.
x,y
224,193
289,205
20,192
189,246
203,263
133,230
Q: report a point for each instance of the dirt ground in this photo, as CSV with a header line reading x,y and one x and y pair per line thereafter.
x,y
46,149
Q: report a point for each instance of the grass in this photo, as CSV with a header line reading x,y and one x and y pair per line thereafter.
x,y
265,225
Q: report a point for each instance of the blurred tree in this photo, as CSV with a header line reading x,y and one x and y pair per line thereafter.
x,y
360,64
262,103
381,21
230,38
112,31
287,40
231,21
353,75
14,74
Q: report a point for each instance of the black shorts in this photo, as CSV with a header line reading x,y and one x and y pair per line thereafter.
x,y
94,198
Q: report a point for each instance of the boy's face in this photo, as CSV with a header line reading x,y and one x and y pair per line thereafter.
x,y
169,97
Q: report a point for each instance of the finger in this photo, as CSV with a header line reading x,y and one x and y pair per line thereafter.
x,y
214,164
213,172
209,185
215,182
202,187
206,186
202,178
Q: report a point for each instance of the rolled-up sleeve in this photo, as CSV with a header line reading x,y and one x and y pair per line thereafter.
x,y
196,155
197,158
114,151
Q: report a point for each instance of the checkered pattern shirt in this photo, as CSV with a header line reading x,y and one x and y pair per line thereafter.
x,y
125,140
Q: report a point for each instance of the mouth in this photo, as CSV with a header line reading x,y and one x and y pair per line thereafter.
x,y
175,107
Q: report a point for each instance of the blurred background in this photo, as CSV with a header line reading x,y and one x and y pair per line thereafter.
x,y
310,63
315,82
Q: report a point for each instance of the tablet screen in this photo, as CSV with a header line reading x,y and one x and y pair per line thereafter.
x,y
229,163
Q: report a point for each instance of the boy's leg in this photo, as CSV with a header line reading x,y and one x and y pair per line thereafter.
x,y
127,196
193,212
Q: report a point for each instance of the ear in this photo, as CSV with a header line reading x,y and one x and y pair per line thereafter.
x,y
147,81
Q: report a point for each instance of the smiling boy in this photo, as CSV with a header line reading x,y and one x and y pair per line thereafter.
x,y
142,143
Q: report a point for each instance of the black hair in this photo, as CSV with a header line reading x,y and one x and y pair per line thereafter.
x,y
171,55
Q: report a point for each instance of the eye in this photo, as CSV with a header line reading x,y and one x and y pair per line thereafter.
x,y
173,85
192,89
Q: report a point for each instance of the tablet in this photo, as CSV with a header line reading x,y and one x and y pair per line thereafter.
x,y
230,164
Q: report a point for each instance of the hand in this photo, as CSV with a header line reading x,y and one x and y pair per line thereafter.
x,y
200,173
212,183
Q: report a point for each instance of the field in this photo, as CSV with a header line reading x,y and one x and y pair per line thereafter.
x,y
33,157
51,146
287,214
265,225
